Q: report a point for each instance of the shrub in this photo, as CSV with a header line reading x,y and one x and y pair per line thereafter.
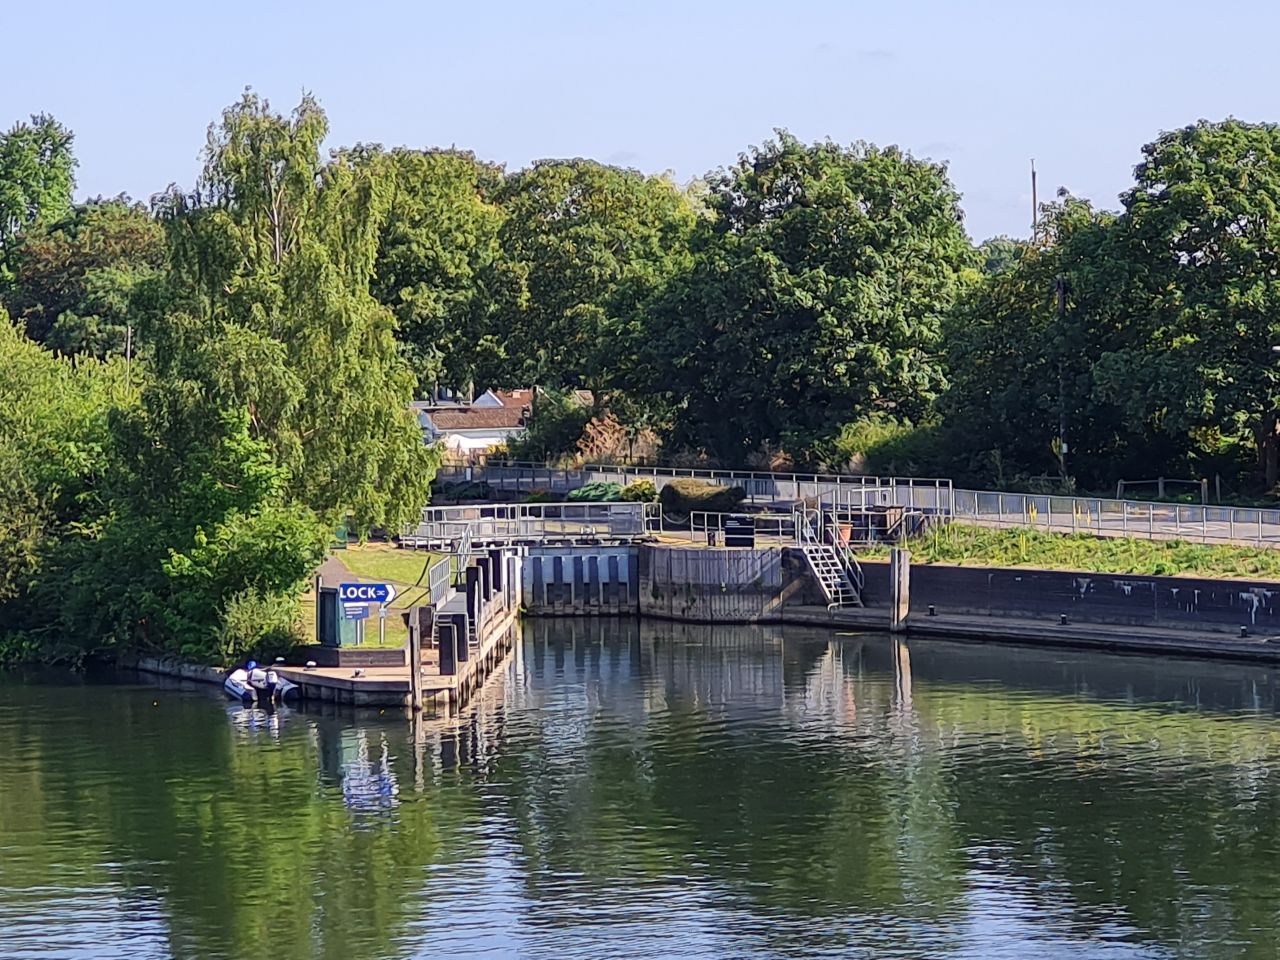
x,y
598,492
462,490
686,495
640,491
540,496
254,623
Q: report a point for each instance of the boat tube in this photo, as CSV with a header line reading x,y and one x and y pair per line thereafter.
x,y
256,684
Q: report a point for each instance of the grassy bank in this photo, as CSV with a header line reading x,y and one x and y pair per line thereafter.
x,y
965,545
380,563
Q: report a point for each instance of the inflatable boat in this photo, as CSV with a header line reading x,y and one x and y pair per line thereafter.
x,y
255,684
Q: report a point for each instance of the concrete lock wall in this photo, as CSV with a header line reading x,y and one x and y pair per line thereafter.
x,y
579,580
1186,602
733,585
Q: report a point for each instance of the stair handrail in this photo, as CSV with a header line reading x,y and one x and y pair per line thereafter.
x,y
848,559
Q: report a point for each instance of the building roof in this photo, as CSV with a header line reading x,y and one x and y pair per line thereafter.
x,y
514,398
477,418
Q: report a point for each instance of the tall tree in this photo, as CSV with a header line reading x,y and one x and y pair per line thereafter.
x,y
275,253
820,283
1203,225
1022,347
438,261
77,279
589,243
37,176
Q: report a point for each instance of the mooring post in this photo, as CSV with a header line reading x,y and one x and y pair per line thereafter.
x,y
900,588
413,657
448,647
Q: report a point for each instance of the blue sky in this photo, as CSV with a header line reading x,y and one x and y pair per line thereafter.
x,y
656,85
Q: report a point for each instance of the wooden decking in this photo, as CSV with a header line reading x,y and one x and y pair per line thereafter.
x,y
389,686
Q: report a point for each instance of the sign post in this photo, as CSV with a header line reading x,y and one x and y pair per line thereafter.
x,y
355,599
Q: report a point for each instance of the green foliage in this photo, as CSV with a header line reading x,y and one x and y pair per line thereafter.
x,y
37,176
817,295
599,491
253,621
438,265
640,491
1201,220
54,443
684,495
540,496
276,271
79,281
462,490
588,243
961,544
556,425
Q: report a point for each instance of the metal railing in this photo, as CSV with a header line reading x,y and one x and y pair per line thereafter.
x,y
760,487
530,522
440,580
922,499
1100,516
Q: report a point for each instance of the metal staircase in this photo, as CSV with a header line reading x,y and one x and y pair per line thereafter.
x,y
833,564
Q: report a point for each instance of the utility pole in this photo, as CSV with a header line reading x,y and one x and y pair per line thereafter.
x,y
1060,287
1035,206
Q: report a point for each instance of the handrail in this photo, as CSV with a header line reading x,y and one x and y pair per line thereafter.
x,y
439,580
462,558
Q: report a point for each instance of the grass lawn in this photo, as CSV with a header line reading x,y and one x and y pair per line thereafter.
x,y
962,544
380,563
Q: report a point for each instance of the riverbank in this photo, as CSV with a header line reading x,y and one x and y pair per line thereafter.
x,y
1230,619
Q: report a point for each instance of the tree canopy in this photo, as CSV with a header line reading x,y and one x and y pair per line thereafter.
x,y
820,282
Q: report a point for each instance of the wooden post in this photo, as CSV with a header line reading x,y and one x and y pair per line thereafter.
x,y
900,588
413,656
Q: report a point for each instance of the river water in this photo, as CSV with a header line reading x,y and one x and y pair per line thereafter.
x,y
659,791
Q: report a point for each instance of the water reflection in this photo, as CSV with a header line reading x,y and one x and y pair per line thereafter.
x,y
660,791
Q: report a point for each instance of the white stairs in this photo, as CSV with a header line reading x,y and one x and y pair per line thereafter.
x,y
834,567
832,576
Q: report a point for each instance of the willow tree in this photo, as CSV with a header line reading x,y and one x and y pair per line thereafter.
x,y
273,256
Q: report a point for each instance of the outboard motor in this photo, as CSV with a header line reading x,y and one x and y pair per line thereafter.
x,y
262,681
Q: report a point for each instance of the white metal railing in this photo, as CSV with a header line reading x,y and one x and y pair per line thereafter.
x,y
920,497
534,522
1100,516
440,580
760,487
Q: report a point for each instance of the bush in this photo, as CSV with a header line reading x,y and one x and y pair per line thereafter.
x,y
598,492
462,490
555,427
686,495
640,491
540,496
253,623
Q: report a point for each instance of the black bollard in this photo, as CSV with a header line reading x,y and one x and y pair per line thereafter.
x,y
1244,631
932,611
448,648
1062,619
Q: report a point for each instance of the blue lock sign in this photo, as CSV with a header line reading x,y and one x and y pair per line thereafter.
x,y
366,593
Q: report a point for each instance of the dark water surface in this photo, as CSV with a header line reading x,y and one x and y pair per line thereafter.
x,y
658,791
